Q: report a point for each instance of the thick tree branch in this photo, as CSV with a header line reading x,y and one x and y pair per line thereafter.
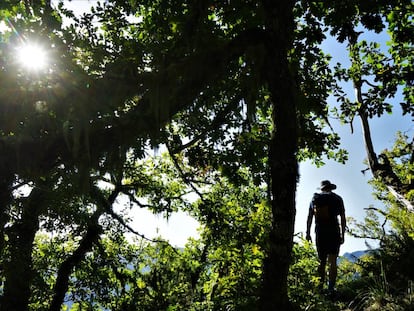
x,y
162,94
65,270
91,237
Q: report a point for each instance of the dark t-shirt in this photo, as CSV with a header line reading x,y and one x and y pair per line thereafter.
x,y
326,207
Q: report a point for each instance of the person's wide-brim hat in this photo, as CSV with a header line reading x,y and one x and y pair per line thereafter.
x,y
326,184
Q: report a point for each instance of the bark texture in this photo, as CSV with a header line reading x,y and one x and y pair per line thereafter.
x,y
282,154
18,269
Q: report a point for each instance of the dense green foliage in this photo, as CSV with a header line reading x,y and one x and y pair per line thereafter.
x,y
233,94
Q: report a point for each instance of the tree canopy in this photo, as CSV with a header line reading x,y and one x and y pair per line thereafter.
x,y
235,93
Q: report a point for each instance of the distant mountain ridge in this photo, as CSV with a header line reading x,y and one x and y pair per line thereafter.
x,y
354,256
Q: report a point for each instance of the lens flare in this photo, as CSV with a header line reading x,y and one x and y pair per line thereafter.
x,y
32,56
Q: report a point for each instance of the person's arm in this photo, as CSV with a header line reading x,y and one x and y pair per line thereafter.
x,y
309,223
343,223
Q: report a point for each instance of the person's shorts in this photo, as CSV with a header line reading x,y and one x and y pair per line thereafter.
x,y
328,241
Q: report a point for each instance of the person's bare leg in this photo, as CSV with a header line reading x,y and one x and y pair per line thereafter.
x,y
322,272
333,271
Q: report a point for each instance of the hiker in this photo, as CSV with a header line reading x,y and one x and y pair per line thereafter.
x,y
326,206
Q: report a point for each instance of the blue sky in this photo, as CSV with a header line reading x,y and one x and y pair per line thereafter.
x,y
352,184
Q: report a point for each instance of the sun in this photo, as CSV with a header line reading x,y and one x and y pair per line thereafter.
x,y
32,56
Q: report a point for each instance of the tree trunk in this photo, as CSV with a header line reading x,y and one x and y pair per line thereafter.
x,y
282,155
62,281
18,269
382,171
6,180
274,294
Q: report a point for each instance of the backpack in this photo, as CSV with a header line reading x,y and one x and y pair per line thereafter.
x,y
324,209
